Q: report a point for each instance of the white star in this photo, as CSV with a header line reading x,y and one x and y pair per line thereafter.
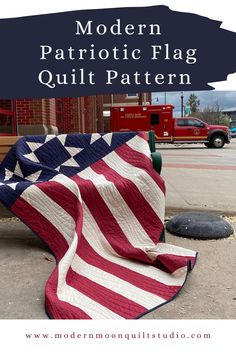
x,y
33,146
70,149
8,174
32,157
95,137
49,137
73,150
106,137
62,138
34,176
18,171
68,163
13,185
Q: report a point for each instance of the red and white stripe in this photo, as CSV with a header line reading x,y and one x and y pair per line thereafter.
x,y
111,264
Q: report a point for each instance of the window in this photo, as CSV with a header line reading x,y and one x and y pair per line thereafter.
x,y
5,124
7,117
132,95
190,123
195,123
154,118
182,122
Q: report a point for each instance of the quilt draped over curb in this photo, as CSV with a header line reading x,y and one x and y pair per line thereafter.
x,y
99,205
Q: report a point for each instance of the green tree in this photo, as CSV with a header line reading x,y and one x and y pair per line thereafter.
x,y
212,115
193,102
224,119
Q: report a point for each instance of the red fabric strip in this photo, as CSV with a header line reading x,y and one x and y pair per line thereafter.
x,y
134,199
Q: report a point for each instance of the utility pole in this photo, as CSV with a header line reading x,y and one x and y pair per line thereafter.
x,y
182,104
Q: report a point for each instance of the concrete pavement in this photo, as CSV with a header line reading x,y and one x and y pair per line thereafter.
x,y
197,179
26,263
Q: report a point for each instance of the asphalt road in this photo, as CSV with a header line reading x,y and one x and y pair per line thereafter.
x,y
199,154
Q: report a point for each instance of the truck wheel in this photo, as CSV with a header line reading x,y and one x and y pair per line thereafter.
x,y
217,142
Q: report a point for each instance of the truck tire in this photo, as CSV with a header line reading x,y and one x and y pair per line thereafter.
x,y
217,142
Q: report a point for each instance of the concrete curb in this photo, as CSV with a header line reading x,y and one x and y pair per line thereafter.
x,y
5,213
173,210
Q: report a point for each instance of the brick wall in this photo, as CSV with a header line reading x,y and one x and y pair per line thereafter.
x,y
78,115
48,114
36,111
36,116
6,104
90,114
124,99
23,111
100,118
66,115
81,114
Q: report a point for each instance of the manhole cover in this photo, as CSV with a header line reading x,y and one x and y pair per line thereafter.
x,y
199,225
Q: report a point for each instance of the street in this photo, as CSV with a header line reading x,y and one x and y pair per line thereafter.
x,y
198,178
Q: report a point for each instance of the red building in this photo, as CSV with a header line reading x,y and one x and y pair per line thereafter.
x,y
61,115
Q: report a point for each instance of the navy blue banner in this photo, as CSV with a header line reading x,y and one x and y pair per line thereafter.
x,y
120,50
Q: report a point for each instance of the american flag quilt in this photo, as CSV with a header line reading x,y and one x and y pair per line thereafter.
x,y
99,205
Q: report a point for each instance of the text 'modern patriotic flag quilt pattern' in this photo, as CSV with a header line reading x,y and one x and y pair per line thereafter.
x,y
99,205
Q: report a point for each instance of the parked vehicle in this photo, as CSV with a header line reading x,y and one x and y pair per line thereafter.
x,y
232,129
168,129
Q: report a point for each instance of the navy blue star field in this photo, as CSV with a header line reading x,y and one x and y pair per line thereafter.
x,y
36,159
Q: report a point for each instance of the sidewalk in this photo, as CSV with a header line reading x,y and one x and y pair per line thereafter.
x,y
191,190
209,292
26,263
199,179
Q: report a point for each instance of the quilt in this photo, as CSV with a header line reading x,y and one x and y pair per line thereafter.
x,y
99,205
